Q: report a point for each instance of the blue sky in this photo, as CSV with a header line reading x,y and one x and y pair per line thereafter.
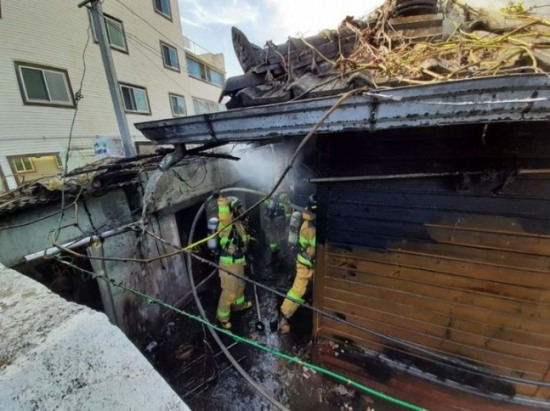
x,y
208,22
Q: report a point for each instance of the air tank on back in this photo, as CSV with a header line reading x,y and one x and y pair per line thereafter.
x,y
212,221
212,227
294,228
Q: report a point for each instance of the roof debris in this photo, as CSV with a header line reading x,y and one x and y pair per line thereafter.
x,y
404,42
96,178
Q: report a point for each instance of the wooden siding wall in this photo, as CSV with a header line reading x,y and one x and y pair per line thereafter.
x,y
459,265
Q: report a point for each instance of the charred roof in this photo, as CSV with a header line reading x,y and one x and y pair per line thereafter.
x,y
404,42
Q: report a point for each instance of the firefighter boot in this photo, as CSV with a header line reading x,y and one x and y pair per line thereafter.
x,y
284,326
244,306
225,324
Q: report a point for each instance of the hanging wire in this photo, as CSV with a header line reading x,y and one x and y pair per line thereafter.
x,y
293,359
77,97
435,356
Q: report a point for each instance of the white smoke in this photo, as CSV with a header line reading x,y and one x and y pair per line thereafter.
x,y
260,167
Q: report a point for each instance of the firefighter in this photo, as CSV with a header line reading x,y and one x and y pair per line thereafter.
x,y
277,214
233,241
305,265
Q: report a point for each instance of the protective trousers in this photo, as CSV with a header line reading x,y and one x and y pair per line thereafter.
x,y
299,287
232,295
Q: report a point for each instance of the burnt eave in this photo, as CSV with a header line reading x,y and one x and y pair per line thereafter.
x,y
496,99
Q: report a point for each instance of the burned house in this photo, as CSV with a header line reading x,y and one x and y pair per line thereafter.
x,y
430,162
433,225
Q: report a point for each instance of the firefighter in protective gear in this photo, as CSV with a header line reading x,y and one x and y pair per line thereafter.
x,y
233,244
277,214
305,266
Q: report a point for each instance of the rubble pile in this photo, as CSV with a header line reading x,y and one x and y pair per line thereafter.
x,y
403,42
479,43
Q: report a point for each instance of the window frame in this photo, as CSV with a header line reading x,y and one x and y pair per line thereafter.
x,y
162,13
134,86
112,46
206,68
220,73
163,44
170,95
203,69
22,88
20,176
4,181
12,160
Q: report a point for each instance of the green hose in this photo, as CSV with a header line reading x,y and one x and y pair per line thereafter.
x,y
339,377
317,368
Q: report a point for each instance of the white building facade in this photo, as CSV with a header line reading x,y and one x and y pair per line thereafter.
x,y
45,66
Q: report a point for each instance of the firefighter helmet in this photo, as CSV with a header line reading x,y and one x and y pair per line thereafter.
x,y
312,203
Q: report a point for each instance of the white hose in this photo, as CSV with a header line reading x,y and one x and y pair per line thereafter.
x,y
215,335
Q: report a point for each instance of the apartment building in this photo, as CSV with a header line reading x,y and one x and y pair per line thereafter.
x,y
50,62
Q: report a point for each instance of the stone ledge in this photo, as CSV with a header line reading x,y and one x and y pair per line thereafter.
x,y
58,355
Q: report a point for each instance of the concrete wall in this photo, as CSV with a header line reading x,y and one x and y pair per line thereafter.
x,y
199,178
166,279
32,234
59,355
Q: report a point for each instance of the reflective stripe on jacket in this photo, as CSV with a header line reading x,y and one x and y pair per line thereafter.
x,y
308,241
233,237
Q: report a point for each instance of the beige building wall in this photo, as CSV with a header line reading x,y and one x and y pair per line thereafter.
x,y
54,33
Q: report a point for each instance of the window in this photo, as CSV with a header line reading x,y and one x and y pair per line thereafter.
x,y
115,33
216,78
34,166
203,72
44,85
196,69
204,106
23,164
177,103
169,56
163,7
135,99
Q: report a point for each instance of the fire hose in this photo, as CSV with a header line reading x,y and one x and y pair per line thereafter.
x,y
202,312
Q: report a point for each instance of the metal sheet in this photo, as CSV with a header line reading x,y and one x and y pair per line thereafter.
x,y
511,98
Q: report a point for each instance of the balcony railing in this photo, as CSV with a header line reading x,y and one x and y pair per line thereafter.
x,y
194,48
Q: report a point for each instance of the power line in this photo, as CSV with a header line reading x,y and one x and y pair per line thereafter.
x,y
180,85
293,359
416,347
435,356
153,27
77,97
144,44
402,342
413,346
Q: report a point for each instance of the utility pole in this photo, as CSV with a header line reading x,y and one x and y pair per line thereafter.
x,y
101,34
